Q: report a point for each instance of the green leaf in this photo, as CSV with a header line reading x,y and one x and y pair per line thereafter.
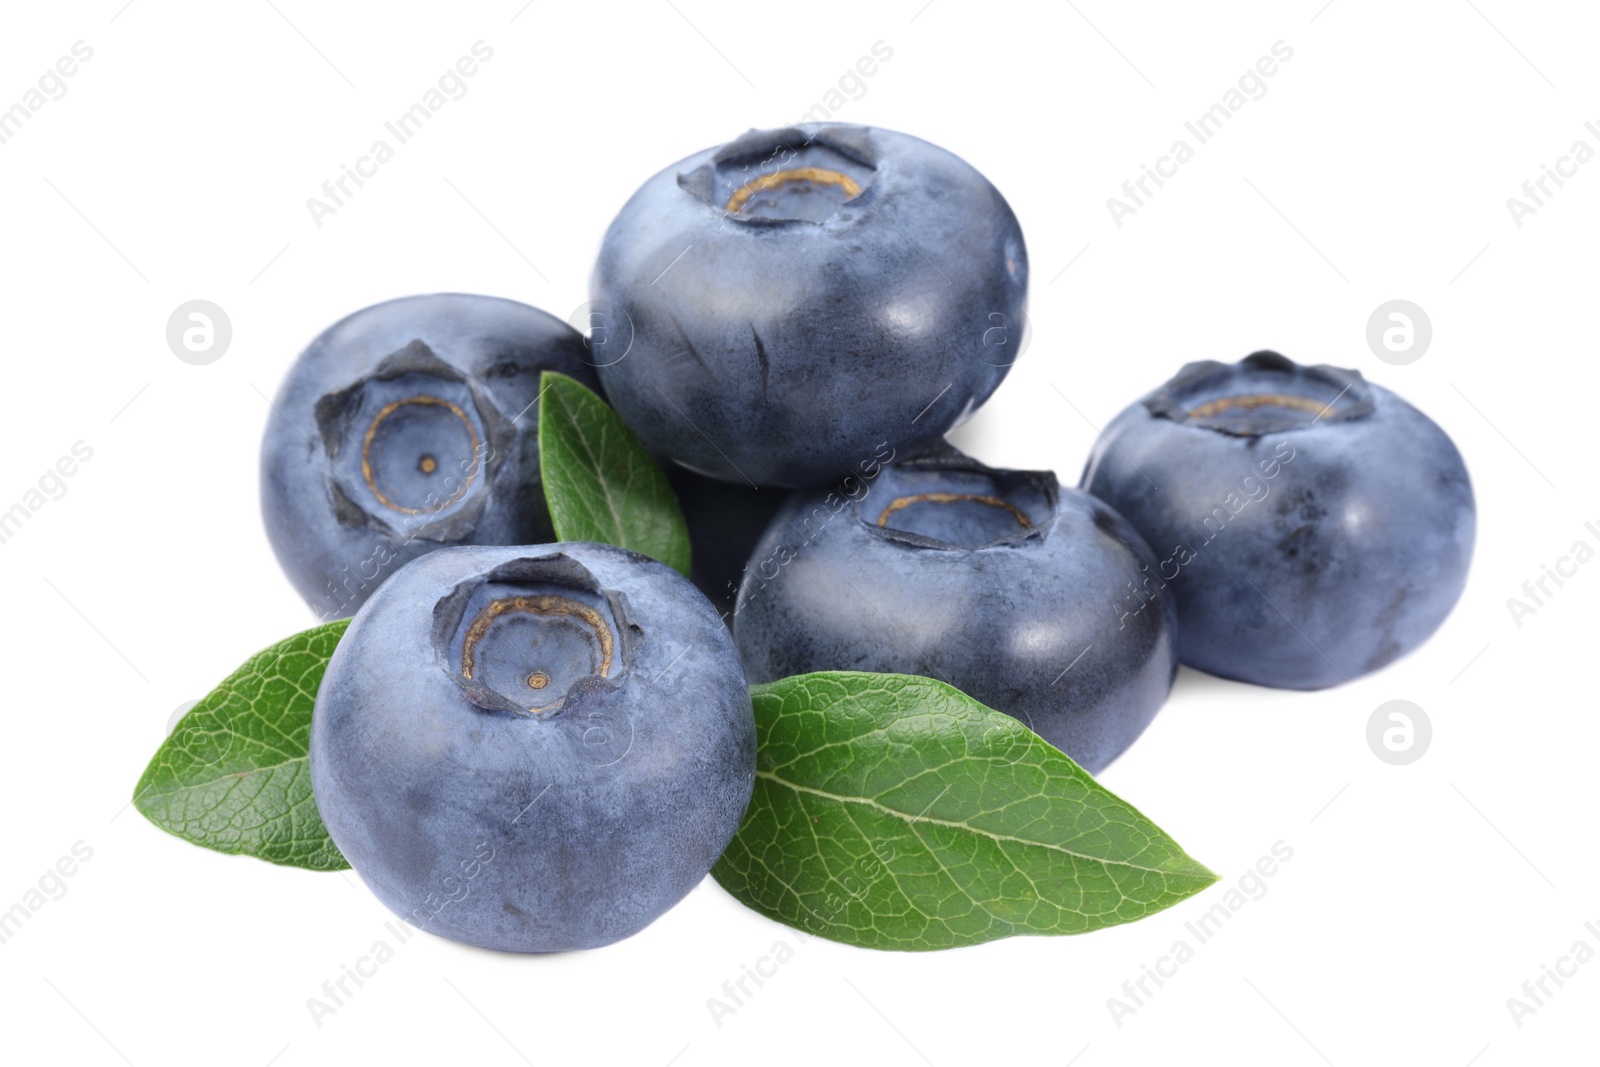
x,y
896,812
599,481
234,776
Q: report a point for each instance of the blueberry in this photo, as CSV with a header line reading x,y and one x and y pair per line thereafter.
x,y
725,521
1014,590
797,301
1313,526
406,426
533,748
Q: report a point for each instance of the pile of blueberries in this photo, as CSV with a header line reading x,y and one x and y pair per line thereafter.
x,y
791,323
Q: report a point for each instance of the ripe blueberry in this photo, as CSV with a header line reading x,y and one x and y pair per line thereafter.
x,y
1313,526
406,426
1020,593
533,748
796,300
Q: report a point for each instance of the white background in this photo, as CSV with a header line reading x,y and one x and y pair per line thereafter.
x,y
1377,166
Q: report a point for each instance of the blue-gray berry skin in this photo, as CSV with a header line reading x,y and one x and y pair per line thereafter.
x,y
406,426
796,299
725,520
1312,526
1016,591
534,748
